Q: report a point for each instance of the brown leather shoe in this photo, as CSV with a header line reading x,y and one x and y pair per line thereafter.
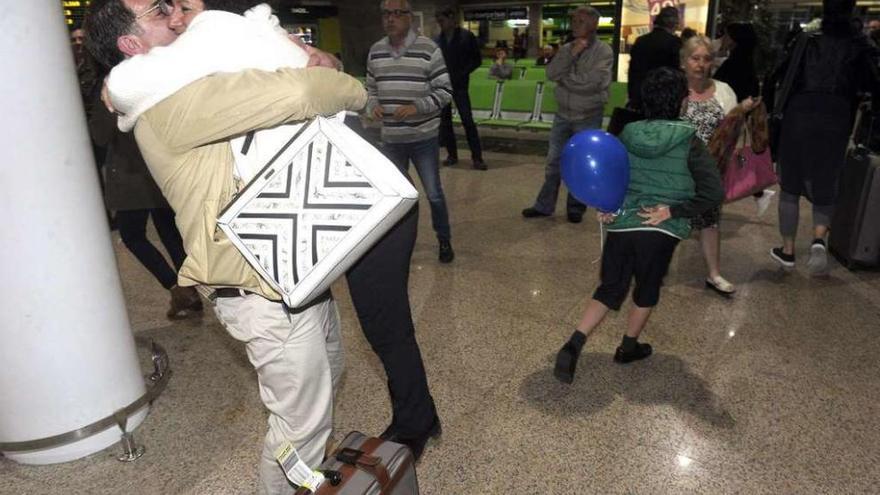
x,y
185,302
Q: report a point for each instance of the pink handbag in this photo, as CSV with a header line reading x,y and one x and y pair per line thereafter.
x,y
747,172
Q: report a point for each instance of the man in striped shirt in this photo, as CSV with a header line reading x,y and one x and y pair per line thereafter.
x,y
408,86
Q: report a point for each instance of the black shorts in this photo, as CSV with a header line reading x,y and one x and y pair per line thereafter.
x,y
641,254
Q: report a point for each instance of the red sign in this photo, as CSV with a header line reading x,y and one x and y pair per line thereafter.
x,y
654,7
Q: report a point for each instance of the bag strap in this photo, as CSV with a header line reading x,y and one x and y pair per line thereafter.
x,y
745,137
790,73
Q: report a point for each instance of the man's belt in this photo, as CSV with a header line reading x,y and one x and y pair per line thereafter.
x,y
224,292
230,292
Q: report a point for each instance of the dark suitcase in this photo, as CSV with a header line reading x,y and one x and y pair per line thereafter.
x,y
363,465
855,227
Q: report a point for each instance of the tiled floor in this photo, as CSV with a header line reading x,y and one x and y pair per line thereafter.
x,y
774,391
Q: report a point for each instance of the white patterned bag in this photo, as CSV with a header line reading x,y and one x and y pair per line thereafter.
x,y
315,208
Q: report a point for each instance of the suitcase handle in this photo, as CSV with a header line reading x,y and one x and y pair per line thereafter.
x,y
370,464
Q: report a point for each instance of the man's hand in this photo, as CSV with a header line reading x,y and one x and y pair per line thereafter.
x,y
378,112
317,58
605,218
405,111
105,97
579,45
655,215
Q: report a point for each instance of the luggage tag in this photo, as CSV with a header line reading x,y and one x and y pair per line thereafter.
x,y
296,470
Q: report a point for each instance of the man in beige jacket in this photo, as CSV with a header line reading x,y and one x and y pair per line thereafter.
x,y
185,141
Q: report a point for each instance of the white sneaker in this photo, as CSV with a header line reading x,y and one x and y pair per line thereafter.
x,y
818,262
763,203
721,286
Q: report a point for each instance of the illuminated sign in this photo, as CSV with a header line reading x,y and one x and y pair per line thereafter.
x,y
496,14
75,11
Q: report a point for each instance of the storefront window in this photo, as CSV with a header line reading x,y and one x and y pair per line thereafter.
x,y
557,22
638,18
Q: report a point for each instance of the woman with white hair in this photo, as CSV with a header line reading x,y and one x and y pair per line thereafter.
x,y
709,100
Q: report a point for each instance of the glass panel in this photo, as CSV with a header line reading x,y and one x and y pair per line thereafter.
x,y
638,19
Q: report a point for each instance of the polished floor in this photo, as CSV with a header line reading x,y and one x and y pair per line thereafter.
x,y
775,391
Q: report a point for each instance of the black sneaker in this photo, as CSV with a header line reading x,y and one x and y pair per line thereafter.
x,y
533,213
566,363
449,161
480,165
641,351
446,252
575,217
785,260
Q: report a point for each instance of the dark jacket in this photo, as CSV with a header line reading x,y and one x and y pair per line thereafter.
x,y
462,55
659,48
832,65
837,65
129,183
739,72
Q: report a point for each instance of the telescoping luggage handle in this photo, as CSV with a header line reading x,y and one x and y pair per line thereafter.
x,y
855,143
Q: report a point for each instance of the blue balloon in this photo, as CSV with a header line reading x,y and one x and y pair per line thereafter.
x,y
595,168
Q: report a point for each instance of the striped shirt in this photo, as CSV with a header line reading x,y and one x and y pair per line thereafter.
x,y
414,75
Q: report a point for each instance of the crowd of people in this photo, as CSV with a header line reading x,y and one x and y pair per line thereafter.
x,y
174,166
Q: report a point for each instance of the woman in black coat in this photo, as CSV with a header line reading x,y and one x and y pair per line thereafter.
x,y
739,69
835,67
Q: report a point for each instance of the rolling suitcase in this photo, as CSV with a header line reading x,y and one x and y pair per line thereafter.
x,y
855,228
365,465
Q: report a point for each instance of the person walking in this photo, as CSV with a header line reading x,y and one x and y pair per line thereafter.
x,y
835,67
674,178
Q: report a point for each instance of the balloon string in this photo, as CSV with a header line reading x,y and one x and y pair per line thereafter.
x,y
601,242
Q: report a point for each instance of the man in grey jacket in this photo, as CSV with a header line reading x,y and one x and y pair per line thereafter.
x,y
582,73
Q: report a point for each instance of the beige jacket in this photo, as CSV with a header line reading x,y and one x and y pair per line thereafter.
x,y
185,142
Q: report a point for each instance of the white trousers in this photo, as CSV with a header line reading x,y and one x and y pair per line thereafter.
x,y
298,358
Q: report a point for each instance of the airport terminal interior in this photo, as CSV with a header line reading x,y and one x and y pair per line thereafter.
x,y
773,390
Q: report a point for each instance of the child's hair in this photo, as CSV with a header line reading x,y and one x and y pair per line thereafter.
x,y
663,91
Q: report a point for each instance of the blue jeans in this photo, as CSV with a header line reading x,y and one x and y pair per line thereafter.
x,y
560,133
425,155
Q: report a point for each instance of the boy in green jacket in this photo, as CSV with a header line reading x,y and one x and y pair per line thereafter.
x,y
672,178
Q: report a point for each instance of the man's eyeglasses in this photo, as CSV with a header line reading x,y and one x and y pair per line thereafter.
x,y
164,6
395,13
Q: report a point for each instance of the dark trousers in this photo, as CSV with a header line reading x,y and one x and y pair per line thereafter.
x,y
447,135
379,287
643,255
132,225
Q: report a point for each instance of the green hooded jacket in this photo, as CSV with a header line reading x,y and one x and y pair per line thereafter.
x,y
659,174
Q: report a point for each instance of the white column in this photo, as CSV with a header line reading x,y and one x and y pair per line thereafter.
x,y
67,354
